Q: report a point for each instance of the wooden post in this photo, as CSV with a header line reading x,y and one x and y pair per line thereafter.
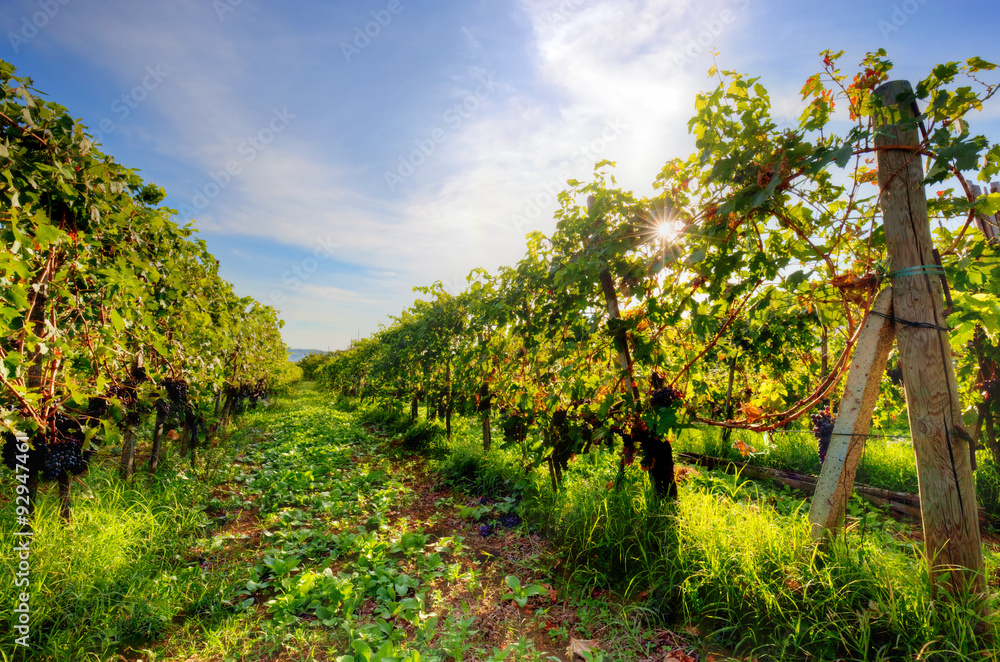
x,y
993,224
728,409
158,428
447,397
947,490
487,433
988,225
65,498
854,417
126,467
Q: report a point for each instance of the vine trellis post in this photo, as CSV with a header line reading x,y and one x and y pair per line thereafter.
x,y
988,225
854,416
952,542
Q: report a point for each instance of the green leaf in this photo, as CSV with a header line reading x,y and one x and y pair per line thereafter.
x,y
979,64
45,234
116,320
362,649
988,204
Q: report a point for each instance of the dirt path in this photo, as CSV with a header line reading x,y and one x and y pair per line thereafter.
x,y
329,542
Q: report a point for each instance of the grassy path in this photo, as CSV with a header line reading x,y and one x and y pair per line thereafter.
x,y
344,547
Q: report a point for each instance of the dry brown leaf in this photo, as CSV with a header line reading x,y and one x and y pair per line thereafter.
x,y
577,647
752,411
173,436
683,473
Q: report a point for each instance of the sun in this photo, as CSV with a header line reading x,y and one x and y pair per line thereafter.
x,y
667,231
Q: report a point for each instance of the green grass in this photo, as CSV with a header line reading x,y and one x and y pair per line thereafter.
x,y
109,578
887,463
129,566
735,560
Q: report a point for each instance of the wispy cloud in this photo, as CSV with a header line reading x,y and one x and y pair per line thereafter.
x,y
572,81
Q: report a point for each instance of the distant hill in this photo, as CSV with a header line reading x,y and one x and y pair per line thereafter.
x,y
295,355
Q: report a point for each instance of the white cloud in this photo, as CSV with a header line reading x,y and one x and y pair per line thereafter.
x,y
466,206
618,81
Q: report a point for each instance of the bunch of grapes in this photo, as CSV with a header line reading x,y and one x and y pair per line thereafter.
x,y
823,429
510,520
63,457
990,390
666,397
515,427
177,390
97,407
11,456
485,530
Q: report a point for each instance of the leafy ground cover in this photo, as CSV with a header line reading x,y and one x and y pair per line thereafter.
x,y
318,532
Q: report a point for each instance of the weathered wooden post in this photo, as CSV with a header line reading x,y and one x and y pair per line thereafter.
x,y
728,408
947,490
854,417
988,225
36,383
126,465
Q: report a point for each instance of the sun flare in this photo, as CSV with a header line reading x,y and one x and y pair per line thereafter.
x,y
667,231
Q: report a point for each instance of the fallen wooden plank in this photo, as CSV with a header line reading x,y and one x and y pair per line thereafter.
x,y
899,502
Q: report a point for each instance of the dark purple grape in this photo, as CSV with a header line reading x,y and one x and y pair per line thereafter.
x,y
63,457
823,429
12,457
485,530
990,390
666,397
510,520
177,390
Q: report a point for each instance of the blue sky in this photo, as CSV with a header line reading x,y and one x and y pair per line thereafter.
x,y
335,154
